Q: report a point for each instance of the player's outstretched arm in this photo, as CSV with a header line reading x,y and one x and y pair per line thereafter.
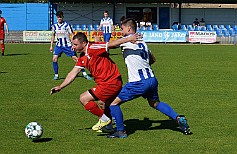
x,y
69,79
131,38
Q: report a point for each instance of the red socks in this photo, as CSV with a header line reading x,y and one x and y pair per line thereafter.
x,y
94,109
3,47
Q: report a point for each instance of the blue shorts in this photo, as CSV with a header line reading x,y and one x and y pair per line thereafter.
x,y
147,88
107,37
67,50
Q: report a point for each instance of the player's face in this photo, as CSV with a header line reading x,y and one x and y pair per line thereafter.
x,y
106,15
78,46
60,19
125,30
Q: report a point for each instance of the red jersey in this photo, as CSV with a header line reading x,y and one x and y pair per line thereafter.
x,y
97,61
2,22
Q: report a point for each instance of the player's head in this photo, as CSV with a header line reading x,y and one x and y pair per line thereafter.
x,y
59,16
129,26
79,42
106,14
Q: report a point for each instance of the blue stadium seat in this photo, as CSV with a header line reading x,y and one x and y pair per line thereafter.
x,y
219,33
190,27
90,27
175,27
156,28
96,27
83,27
203,28
228,27
149,28
196,28
209,27
143,28
76,27
215,27
221,27
183,27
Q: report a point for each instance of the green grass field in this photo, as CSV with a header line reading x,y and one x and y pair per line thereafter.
x,y
199,81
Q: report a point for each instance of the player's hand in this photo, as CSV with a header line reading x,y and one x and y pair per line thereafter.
x,y
51,49
55,89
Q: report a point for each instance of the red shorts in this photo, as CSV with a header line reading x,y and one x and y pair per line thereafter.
x,y
2,35
106,92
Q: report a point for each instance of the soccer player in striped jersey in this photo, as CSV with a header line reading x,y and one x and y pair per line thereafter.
x,y
63,32
141,82
107,26
2,31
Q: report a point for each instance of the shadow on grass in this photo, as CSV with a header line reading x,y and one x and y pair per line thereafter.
x,y
16,54
3,72
42,140
132,125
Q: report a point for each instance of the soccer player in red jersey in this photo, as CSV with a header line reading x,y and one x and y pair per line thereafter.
x,y
95,57
2,33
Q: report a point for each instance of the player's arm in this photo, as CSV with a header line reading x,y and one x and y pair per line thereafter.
x,y
100,27
52,40
69,79
152,58
117,42
7,30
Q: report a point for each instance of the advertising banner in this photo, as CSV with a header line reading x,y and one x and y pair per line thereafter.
x,y
164,36
202,36
37,36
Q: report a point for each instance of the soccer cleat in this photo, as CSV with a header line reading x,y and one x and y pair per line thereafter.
x,y
55,78
107,129
100,124
88,77
2,53
118,134
182,122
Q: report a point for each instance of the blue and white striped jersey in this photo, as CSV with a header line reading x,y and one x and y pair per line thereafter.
x,y
62,33
137,60
106,24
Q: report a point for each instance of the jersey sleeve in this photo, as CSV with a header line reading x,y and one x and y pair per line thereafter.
x,y
81,62
98,48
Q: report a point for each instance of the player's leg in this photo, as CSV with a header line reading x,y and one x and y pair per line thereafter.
x,y
55,67
153,100
88,100
106,93
2,46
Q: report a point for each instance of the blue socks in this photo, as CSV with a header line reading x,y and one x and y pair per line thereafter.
x,y
167,110
55,67
117,114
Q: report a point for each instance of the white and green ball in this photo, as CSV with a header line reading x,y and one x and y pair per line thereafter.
x,y
33,130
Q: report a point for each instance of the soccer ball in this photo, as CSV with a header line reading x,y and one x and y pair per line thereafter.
x,y
33,130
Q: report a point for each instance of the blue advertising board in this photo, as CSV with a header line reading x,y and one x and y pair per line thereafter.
x,y
163,36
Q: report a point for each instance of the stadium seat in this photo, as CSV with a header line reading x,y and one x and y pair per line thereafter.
x,y
221,27
196,28
143,28
149,28
183,27
83,27
77,27
219,33
209,27
156,28
190,28
90,27
96,27
227,27
203,28
215,27
175,27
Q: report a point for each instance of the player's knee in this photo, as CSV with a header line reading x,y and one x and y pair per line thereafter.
x,y
153,104
55,59
83,99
